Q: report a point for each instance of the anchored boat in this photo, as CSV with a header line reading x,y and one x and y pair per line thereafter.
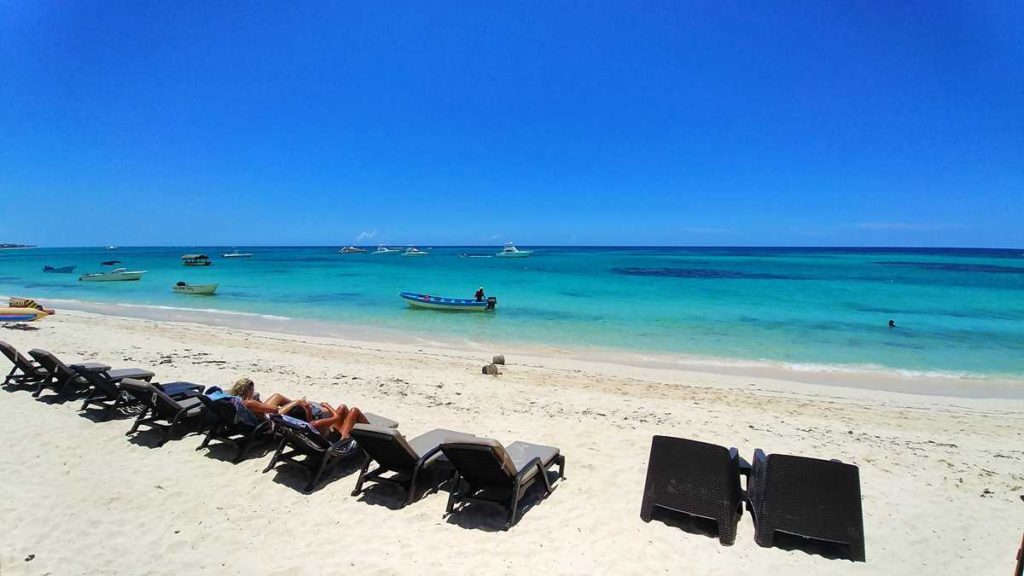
x,y
59,269
382,249
414,251
195,289
453,304
352,250
511,251
196,260
236,254
116,275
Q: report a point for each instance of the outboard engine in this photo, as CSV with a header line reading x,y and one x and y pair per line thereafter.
x,y
492,302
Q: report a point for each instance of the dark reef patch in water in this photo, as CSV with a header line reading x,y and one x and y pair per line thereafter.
x,y
700,273
953,267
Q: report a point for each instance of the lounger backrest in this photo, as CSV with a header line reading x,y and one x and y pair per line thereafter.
x,y
480,461
52,364
100,381
386,445
301,438
222,409
691,476
16,357
812,497
151,396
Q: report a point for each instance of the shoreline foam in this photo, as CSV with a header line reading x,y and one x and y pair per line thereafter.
x,y
861,377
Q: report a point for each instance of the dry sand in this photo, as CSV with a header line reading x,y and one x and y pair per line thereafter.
x,y
940,476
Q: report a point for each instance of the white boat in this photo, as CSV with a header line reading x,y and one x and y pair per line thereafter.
x,y
382,249
414,251
196,289
236,254
351,250
511,251
111,247
116,275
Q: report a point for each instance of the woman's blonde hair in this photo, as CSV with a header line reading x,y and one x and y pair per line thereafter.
x,y
242,388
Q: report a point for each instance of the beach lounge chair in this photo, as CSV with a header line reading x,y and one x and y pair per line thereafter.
x,y
104,390
301,444
403,460
158,409
487,472
230,427
24,371
696,479
815,499
62,379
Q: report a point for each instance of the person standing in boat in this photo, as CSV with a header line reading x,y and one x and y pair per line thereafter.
x,y
479,294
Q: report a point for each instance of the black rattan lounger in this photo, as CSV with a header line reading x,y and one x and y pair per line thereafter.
x,y
65,381
816,499
305,447
697,479
159,409
104,390
486,471
24,371
403,459
228,428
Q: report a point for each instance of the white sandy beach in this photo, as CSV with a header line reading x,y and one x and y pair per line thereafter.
x,y
940,475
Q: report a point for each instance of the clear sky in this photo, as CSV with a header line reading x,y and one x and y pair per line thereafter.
x,y
654,123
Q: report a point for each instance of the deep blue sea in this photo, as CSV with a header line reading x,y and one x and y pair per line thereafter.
x,y
955,310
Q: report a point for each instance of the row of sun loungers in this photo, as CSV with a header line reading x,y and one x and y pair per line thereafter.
x,y
477,469
814,499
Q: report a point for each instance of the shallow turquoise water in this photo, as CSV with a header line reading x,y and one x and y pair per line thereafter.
x,y
956,310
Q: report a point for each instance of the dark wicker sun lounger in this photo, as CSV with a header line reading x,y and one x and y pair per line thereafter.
x,y
160,410
816,499
1020,559
697,479
105,390
487,472
25,371
307,448
66,381
402,459
229,428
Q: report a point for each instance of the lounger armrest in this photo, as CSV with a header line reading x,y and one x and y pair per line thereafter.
x,y
759,456
529,466
426,456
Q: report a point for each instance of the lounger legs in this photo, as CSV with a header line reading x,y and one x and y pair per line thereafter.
x,y
362,475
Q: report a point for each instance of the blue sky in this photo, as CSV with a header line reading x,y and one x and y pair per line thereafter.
x,y
658,123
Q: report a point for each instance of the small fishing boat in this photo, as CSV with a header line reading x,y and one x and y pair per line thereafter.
x,y
196,260
236,254
22,314
111,247
195,289
453,304
511,251
352,250
382,249
115,275
414,251
59,269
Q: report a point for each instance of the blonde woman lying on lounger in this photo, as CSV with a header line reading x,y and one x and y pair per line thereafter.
x,y
320,415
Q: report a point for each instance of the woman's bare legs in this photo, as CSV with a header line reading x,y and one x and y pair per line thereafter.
x,y
351,417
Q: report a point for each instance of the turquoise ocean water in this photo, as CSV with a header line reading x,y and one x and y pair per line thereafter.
x,y
956,310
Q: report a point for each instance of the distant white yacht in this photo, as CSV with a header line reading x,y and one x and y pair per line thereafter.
x,y
414,251
352,250
511,251
382,249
